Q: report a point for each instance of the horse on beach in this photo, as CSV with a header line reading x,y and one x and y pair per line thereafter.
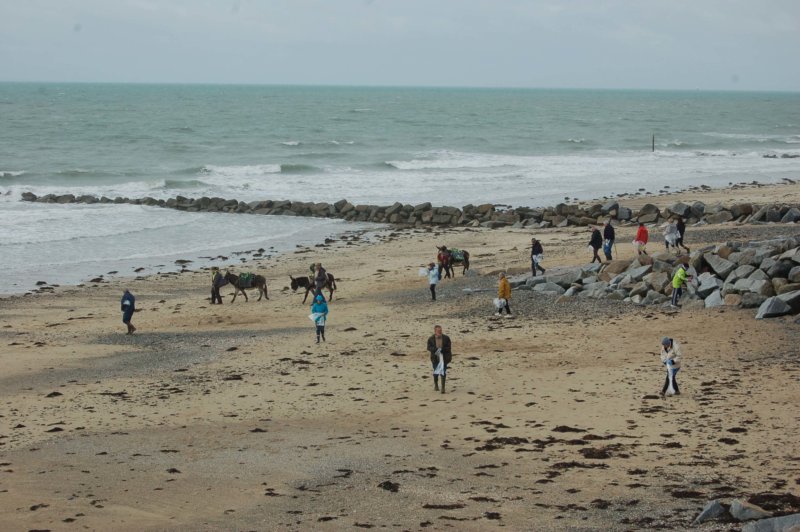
x,y
307,282
258,282
447,258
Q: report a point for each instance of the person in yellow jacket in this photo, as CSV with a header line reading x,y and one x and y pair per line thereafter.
x,y
504,294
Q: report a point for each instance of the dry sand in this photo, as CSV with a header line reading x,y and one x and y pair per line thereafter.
x,y
231,417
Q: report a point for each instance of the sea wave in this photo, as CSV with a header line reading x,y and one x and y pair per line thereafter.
x,y
11,173
240,171
183,183
449,160
756,137
291,143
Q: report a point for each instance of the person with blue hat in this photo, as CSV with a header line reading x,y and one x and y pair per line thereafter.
x,y
319,313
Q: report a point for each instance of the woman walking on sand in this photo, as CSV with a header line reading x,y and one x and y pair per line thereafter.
x,y
504,295
671,235
537,256
319,313
128,304
681,231
671,358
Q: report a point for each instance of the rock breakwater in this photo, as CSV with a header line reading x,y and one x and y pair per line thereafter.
x,y
486,215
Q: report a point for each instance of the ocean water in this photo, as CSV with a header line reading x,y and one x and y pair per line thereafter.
x,y
369,145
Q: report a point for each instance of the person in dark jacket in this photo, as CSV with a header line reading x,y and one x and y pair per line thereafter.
x,y
596,243
537,255
608,237
128,304
681,231
441,352
217,281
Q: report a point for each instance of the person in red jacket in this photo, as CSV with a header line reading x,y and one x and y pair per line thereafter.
x,y
641,239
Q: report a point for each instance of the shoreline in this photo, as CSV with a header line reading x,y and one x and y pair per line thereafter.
x,y
735,194
230,416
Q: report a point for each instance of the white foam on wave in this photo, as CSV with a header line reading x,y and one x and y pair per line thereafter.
x,y
253,170
756,137
450,160
11,173
291,143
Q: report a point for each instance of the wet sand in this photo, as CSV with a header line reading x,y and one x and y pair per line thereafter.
x,y
231,417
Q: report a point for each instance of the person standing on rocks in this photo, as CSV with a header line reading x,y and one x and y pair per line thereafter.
x,y
319,313
640,242
671,358
537,255
678,280
128,304
608,239
217,281
504,294
433,279
671,235
440,348
596,243
681,231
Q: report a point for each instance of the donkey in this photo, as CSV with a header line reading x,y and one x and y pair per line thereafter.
x,y
447,260
307,282
258,282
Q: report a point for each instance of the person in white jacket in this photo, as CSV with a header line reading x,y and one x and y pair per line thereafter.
x,y
433,278
671,235
671,358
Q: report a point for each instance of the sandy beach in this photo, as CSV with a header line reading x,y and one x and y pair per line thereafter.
x,y
231,417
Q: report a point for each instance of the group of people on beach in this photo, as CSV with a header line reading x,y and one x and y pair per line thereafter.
x,y
673,238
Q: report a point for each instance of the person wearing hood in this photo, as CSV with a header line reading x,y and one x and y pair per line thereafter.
x,y
671,235
671,358
128,304
319,311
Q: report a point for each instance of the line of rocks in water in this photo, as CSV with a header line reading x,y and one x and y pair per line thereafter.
x,y
763,274
485,215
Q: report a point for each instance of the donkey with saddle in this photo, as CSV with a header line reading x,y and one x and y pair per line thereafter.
x,y
244,281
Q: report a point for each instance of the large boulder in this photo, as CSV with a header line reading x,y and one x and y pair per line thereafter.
x,y
707,283
654,298
624,214
751,300
637,273
657,280
609,206
648,218
780,268
791,287
681,209
756,286
565,279
772,308
784,523
714,300
792,299
719,217
722,267
549,287
745,511
741,209
791,216
713,510
594,290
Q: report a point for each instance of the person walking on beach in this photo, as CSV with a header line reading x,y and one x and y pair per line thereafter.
x,y
319,312
320,278
608,239
681,231
433,279
596,243
504,295
537,255
128,304
671,358
217,281
640,242
671,235
678,280
440,348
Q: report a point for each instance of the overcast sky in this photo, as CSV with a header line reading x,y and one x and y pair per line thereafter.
x,y
676,44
